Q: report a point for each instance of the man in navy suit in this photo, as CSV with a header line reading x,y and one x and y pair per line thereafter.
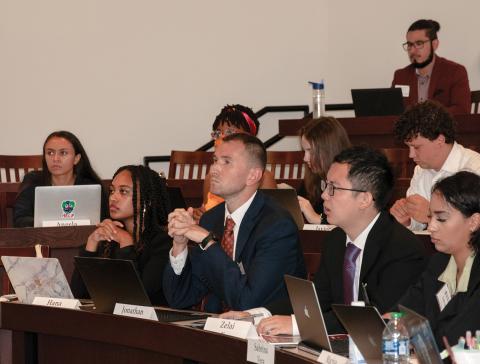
x,y
244,246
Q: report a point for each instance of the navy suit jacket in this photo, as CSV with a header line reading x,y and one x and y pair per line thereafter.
x,y
267,248
459,315
448,85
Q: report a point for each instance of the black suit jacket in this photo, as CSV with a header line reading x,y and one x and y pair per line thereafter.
x,y
462,313
267,248
392,260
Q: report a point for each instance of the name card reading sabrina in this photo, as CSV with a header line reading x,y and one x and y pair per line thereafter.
x,y
57,302
144,312
327,357
241,329
260,352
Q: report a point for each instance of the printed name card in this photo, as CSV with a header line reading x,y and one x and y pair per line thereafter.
x,y
327,357
260,352
57,302
57,223
144,312
241,329
319,227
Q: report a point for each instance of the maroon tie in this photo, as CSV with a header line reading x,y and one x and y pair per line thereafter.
x,y
349,263
228,238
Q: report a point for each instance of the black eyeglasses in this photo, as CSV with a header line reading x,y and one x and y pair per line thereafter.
x,y
330,188
417,45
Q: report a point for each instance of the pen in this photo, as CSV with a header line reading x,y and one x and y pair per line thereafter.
x,y
365,295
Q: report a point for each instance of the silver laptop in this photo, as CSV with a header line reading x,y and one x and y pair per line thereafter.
x,y
36,277
287,198
311,324
421,337
67,205
365,326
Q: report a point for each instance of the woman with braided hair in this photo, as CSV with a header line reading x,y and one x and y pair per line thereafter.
x,y
139,206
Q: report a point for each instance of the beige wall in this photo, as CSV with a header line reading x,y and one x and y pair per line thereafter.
x,y
135,78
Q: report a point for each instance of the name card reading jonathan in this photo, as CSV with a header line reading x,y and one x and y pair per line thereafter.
x,y
241,329
327,357
260,352
57,302
144,312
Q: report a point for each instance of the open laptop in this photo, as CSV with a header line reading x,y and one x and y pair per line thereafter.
x,y
365,326
111,281
36,277
67,205
311,324
287,198
377,101
421,337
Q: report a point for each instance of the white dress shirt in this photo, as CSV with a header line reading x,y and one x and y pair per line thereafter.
x,y
458,159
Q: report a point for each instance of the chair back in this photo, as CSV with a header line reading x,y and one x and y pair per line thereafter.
x,y
475,97
189,165
286,164
18,251
14,167
400,161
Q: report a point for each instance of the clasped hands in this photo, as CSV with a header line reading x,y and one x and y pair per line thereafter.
x,y
109,230
182,228
413,207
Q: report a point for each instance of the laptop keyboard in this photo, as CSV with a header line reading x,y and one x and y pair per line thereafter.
x,y
172,316
339,346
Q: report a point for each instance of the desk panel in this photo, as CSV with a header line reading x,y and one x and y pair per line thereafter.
x,y
72,336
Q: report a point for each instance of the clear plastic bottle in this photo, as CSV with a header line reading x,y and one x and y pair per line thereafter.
x,y
318,101
395,341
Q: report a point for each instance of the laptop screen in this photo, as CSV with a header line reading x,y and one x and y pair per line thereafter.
x,y
67,205
377,101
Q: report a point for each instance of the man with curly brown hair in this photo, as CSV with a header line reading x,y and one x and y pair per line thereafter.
x,y
429,132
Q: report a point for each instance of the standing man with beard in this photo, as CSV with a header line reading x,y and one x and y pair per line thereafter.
x,y
430,77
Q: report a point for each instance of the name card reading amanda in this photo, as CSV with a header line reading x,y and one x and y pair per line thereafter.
x,y
144,312
57,223
241,329
260,352
57,302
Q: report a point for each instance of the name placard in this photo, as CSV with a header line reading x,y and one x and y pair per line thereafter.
x,y
260,352
144,312
241,329
57,223
318,227
57,302
327,357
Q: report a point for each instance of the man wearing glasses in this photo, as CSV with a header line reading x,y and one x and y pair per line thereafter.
x,y
430,77
369,256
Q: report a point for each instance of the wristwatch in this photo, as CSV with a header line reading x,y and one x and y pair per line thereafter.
x,y
211,236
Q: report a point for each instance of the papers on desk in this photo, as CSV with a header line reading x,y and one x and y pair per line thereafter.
x,y
318,227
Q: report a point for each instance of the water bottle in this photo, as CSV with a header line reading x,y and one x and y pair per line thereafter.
x,y
318,101
395,341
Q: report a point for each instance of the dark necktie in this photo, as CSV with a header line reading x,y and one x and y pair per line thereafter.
x,y
228,238
349,263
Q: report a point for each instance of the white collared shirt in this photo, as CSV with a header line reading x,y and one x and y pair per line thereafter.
x,y
458,159
179,261
360,242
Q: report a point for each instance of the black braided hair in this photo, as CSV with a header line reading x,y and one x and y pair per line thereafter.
x,y
232,115
151,203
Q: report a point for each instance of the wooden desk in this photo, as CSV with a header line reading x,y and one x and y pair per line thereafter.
x,y
74,336
63,241
377,130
